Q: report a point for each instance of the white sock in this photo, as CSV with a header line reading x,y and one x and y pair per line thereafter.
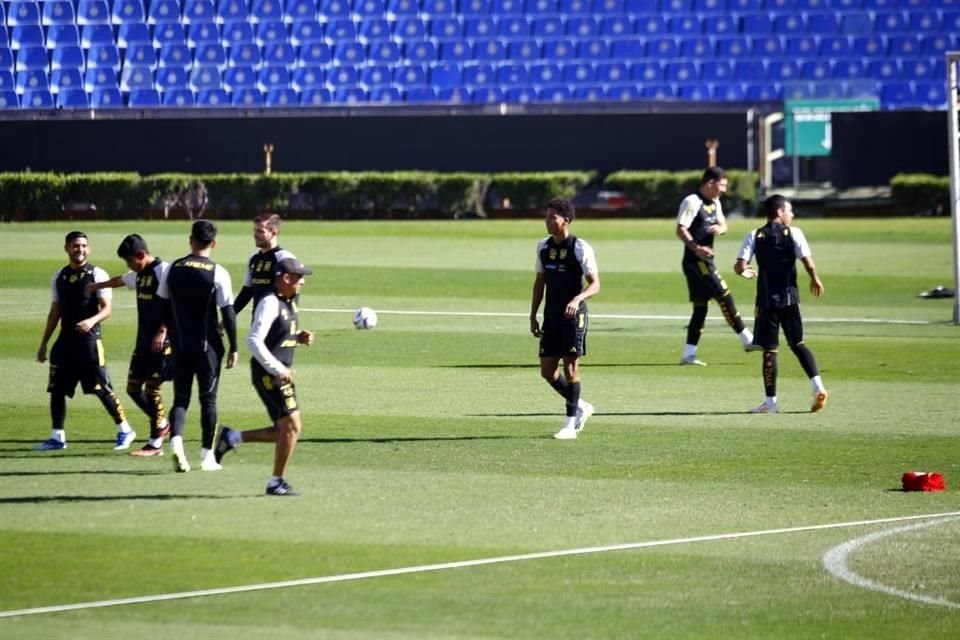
x,y
771,401
60,435
689,350
274,481
817,384
124,427
156,443
176,444
746,337
206,453
234,437
570,422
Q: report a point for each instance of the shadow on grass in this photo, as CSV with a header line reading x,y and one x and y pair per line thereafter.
x,y
46,499
407,439
92,472
586,364
625,414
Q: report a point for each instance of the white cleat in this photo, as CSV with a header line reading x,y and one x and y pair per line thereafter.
x,y
567,433
180,464
764,408
692,360
124,440
209,464
584,411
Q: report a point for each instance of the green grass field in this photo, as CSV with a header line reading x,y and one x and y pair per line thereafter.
x,y
428,441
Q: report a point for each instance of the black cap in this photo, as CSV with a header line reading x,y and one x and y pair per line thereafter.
x,y
292,265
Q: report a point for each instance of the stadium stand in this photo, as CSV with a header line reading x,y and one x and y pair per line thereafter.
x,y
282,53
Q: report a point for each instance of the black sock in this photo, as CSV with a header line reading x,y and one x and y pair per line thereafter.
x,y
573,398
807,361
730,313
770,373
697,319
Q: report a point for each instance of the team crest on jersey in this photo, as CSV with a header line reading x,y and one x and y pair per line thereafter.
x,y
553,254
563,254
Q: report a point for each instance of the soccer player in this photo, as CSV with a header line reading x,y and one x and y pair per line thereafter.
x,y
150,361
273,336
258,281
77,354
196,287
778,245
701,219
563,262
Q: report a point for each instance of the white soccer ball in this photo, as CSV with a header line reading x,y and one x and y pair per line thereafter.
x,y
365,318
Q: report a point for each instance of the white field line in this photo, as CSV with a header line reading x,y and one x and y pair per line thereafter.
x,y
835,561
606,316
363,575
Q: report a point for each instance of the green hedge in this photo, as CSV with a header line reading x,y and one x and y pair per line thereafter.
x,y
920,194
658,193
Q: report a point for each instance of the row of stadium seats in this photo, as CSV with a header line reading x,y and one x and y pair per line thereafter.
x,y
905,94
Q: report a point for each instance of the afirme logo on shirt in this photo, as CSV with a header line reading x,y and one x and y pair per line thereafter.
x,y
196,264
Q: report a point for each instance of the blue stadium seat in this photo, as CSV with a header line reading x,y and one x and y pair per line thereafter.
x,y
796,91
558,50
749,71
175,55
931,94
374,30
811,5
301,10
479,75
144,99
545,74
515,27
280,53
367,9
525,50
905,46
830,90
609,7
628,50
711,6
245,55
789,24
487,95
801,46
315,97
454,95
103,56
131,33
682,72
559,94
247,97
767,46
459,51
133,78
937,44
106,99
784,70
424,51
205,78
32,79
195,11
593,50
343,75
575,7
72,99
862,88
446,28
835,46
236,33
480,27
951,20
764,92
96,34
650,26
213,98
581,27
306,32
547,27
238,78
388,52
507,8
169,78
230,11
509,75
318,53
579,73
610,26
885,70
612,72
6,80
271,32
128,12
266,11
778,7
856,23
385,95
869,46
171,33
163,12
662,48
823,23
412,28
273,77
696,48
4,41
210,55
755,23
354,95
819,70
349,53
378,75
201,33
685,25
891,22
336,9
179,98
282,98
420,95
490,50
482,7
676,6
849,69
26,35
520,95
65,80
438,7
342,30
305,78
897,94
32,58
716,71
93,12
406,8
58,12
623,93
411,75
647,72
23,12
920,69
693,91
37,99
67,58
141,55
846,5
589,94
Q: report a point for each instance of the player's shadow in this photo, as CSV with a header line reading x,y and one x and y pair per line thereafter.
x,y
536,365
530,414
388,440
50,499
92,472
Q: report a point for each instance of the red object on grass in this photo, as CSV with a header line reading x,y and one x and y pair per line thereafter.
x,y
922,481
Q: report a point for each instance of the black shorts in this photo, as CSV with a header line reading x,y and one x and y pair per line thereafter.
x,y
766,327
565,336
202,364
150,365
73,361
280,399
703,280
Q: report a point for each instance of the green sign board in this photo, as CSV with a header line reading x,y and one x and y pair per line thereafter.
x,y
807,122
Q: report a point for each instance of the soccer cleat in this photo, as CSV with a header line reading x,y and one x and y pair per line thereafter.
x,y
50,445
180,463
281,489
764,408
819,400
752,347
147,450
567,433
584,411
223,443
164,430
692,360
124,440
209,464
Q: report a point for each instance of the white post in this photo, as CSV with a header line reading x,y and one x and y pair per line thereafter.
x,y
953,129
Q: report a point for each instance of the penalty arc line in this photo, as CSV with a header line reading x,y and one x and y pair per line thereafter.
x,y
835,562
347,577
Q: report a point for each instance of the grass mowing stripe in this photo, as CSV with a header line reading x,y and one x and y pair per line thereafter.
x,y
835,561
442,566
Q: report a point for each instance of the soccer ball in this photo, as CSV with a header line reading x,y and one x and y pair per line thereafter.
x,y
365,318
